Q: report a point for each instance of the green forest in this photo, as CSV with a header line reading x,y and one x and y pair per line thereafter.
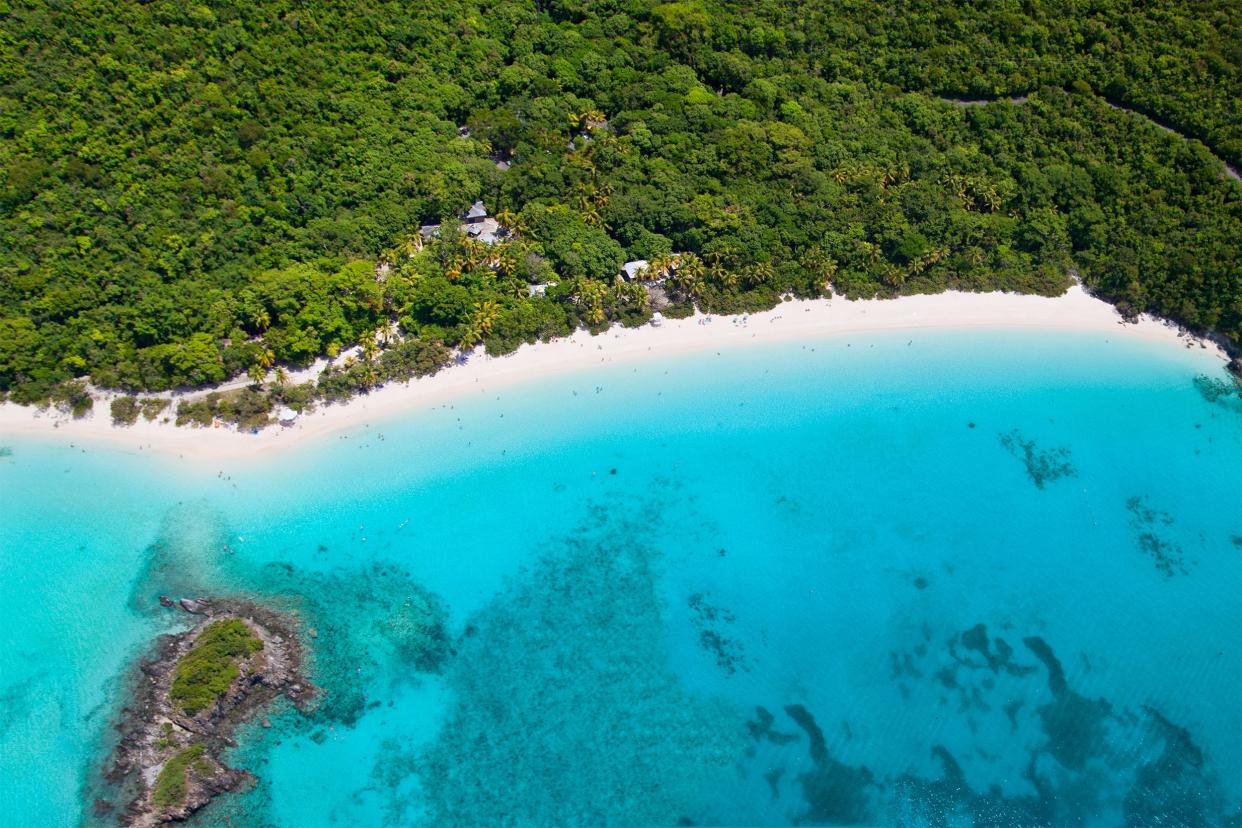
x,y
196,192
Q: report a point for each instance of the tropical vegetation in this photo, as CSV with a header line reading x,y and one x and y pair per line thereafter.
x,y
170,784
191,193
208,669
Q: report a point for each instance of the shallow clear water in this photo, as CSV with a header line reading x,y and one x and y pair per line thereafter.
x,y
986,577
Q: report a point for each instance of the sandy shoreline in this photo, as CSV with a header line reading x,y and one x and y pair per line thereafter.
x,y
791,321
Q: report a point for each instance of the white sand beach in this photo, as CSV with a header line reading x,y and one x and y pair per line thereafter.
x,y
791,321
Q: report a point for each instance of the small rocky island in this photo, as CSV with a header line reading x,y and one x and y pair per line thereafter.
x,y
186,703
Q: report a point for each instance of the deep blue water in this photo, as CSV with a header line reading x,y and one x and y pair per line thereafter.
x,y
940,579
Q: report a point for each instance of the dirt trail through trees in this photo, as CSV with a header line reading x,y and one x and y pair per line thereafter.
x,y
1021,99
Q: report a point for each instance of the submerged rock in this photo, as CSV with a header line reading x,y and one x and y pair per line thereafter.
x,y
1043,466
192,606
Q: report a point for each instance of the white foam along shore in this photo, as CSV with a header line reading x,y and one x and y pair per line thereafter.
x,y
790,321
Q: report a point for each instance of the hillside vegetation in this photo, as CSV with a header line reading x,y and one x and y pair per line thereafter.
x,y
190,192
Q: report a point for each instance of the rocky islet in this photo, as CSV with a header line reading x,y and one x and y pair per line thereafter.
x,y
168,760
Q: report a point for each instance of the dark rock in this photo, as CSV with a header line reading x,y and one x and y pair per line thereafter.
x,y
165,601
102,807
835,793
192,606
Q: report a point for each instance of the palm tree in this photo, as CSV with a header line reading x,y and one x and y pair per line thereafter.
x,y
473,253
657,268
487,313
629,293
511,221
589,201
263,360
592,118
760,273
892,276
592,296
720,273
470,336
958,184
261,320
822,265
256,373
927,260
406,247
481,323
369,374
688,275
992,198
370,348
506,260
514,288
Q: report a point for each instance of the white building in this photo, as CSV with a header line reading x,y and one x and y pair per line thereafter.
x,y
632,270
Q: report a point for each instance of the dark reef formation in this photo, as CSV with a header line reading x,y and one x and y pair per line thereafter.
x,y
1044,466
1088,760
762,728
835,793
1148,523
362,618
707,619
187,700
1226,390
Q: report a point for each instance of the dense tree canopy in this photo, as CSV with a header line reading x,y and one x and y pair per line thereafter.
x,y
190,192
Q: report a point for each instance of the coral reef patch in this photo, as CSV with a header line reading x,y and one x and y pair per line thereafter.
x,y
709,622
1148,524
1088,760
1226,390
835,793
1043,466
563,690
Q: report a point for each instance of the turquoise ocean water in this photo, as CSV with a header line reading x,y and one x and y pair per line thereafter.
x,y
925,579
